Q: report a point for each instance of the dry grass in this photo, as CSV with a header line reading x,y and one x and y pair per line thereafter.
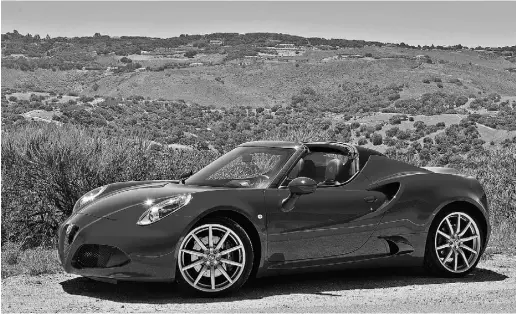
x,y
33,262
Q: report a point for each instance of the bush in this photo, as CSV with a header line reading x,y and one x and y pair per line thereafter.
x,y
455,81
45,169
125,60
377,139
362,141
190,54
392,131
393,96
355,125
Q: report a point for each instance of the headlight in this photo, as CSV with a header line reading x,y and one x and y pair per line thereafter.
x,y
162,209
88,197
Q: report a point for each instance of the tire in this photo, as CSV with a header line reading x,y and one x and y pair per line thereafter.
x,y
454,244
211,268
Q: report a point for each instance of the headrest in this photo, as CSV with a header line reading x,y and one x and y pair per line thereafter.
x,y
308,169
333,168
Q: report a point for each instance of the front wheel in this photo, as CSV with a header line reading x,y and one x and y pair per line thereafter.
x,y
215,257
454,244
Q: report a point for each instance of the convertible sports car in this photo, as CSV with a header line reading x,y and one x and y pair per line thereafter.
x,y
271,207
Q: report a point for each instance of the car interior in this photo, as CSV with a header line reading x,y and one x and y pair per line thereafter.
x,y
326,168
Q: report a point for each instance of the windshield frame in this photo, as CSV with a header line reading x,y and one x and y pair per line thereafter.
x,y
200,178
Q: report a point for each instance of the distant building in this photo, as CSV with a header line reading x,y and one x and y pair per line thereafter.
x,y
216,42
286,46
196,64
164,50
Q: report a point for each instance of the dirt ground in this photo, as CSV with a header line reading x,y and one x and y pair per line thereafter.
x,y
491,288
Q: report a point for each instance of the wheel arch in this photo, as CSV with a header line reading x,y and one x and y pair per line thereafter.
x,y
470,207
243,220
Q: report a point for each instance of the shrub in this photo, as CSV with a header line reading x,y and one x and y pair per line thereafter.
x,y
45,169
403,135
419,125
12,98
125,60
455,81
190,54
355,125
362,141
377,139
426,81
392,131
389,141
440,85
393,96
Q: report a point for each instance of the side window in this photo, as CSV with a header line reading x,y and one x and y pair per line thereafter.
x,y
327,168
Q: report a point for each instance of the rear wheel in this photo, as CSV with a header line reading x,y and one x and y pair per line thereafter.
x,y
454,244
215,257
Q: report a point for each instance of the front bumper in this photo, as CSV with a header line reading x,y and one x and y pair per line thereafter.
x,y
133,252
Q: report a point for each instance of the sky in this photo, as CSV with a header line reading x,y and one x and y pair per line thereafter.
x,y
416,23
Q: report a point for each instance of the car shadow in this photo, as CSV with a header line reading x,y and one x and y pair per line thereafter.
x,y
327,284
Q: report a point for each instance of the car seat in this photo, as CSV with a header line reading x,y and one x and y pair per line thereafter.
x,y
309,170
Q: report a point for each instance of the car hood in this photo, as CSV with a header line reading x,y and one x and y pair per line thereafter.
x,y
123,196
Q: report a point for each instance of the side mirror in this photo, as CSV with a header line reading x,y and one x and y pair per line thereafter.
x,y
302,185
297,187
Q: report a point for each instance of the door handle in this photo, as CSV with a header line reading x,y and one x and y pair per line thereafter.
x,y
370,199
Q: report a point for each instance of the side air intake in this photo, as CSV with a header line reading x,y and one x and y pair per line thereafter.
x,y
389,189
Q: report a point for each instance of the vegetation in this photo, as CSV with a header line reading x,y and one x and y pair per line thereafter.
x,y
65,132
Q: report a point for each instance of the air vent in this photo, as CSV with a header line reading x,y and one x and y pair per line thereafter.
x,y
99,256
389,189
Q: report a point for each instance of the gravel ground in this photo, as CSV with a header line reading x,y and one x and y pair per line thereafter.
x,y
491,288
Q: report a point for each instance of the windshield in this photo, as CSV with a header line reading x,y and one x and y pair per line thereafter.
x,y
243,167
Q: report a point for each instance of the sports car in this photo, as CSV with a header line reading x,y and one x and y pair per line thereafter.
x,y
271,207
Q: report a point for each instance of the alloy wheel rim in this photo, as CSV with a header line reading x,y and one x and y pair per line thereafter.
x,y
457,242
211,258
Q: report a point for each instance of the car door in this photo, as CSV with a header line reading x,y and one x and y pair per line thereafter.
x,y
332,221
